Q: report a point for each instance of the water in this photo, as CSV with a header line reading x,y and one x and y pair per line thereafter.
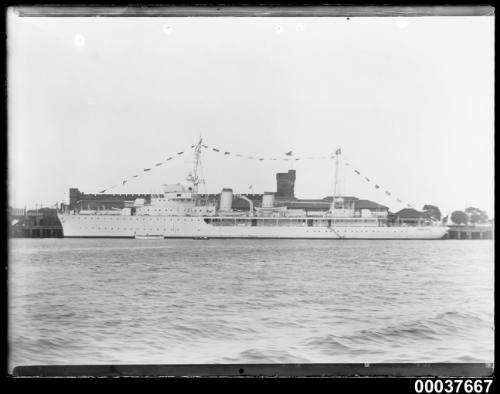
x,y
102,301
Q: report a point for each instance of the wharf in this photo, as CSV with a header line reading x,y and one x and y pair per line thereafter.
x,y
470,232
37,232
39,223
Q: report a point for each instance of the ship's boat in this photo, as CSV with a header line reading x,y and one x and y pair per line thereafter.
x,y
147,236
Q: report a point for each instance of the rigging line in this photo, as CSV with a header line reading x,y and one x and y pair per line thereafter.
x,y
377,187
145,170
291,157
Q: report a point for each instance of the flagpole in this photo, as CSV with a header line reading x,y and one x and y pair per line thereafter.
x,y
336,175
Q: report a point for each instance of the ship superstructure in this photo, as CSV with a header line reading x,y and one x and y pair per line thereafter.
x,y
180,211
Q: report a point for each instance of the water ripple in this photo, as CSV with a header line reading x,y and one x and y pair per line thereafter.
x,y
257,301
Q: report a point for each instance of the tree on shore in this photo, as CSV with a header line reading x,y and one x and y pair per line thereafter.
x,y
432,212
459,217
476,215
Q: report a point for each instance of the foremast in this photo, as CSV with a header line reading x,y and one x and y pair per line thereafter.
x,y
197,177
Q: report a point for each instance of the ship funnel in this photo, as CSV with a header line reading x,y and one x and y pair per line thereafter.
x,y
226,199
268,200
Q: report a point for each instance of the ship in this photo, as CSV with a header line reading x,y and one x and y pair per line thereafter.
x,y
179,211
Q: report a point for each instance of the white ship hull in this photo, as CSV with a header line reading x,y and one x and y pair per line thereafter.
x,y
117,226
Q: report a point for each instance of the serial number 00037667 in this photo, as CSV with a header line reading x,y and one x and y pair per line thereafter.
x,y
453,385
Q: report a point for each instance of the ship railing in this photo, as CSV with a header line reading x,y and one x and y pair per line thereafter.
x,y
412,222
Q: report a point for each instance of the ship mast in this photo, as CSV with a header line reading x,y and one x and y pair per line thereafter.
x,y
197,177
336,175
336,180
197,163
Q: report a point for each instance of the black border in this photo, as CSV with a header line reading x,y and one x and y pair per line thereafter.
x,y
372,383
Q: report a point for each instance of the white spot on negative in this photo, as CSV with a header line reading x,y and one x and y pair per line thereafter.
x,y
300,27
79,41
279,29
167,29
401,22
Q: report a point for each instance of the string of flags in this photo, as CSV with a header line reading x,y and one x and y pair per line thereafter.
x,y
289,154
388,193
145,170
289,157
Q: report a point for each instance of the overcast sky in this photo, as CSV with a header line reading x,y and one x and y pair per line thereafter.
x,y
93,101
